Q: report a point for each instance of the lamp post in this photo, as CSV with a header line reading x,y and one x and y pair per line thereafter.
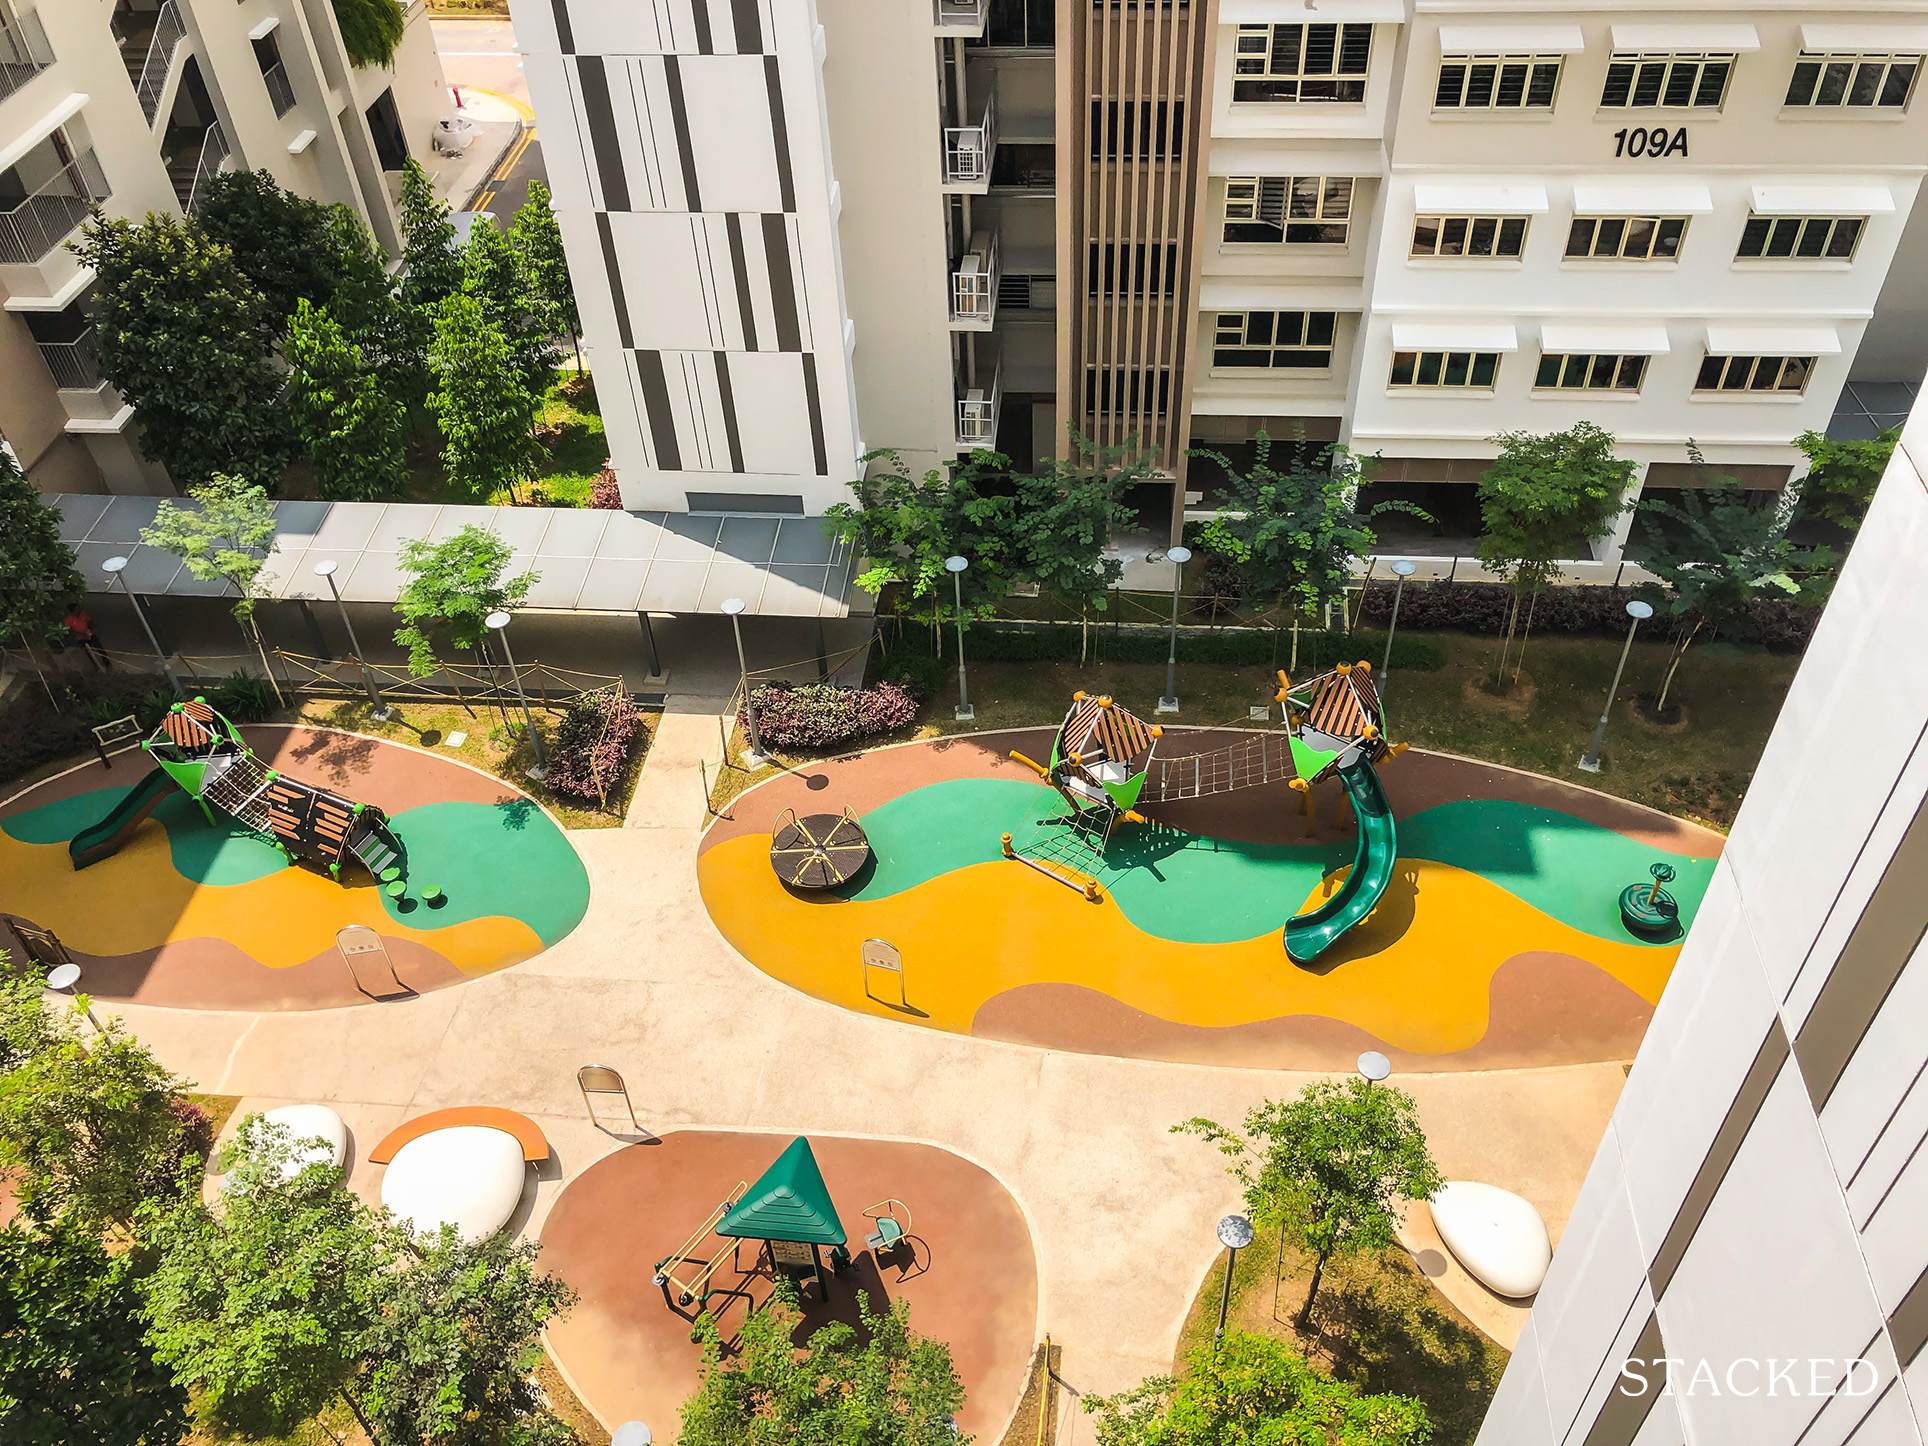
x,y
114,567
756,757
955,567
62,978
1177,557
1639,612
631,1433
1374,1066
1402,569
382,711
1234,1233
498,623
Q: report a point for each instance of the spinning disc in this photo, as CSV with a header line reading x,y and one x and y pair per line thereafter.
x,y
819,851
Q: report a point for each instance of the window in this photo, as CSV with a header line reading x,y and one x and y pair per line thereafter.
x,y
1626,238
1864,80
1297,210
1288,340
1444,368
1497,82
1590,373
1020,24
1799,238
274,75
1302,62
1122,268
1754,374
1132,391
1487,236
1142,130
1643,81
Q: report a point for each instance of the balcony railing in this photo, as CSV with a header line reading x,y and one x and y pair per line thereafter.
x,y
977,409
280,92
75,363
169,32
34,225
24,51
960,17
967,149
974,281
214,155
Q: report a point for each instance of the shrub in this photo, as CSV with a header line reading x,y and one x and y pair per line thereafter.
x,y
1480,607
593,744
196,1140
916,670
1317,650
823,715
605,492
32,733
244,698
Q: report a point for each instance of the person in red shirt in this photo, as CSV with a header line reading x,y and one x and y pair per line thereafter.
x,y
82,627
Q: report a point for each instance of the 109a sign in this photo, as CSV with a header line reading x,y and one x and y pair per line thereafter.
x,y
1655,142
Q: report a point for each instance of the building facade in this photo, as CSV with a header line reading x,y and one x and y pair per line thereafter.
x,y
130,105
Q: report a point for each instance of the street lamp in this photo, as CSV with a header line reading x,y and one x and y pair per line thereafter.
x,y
1234,1233
1639,612
498,622
1177,557
63,977
955,567
631,1433
382,711
1374,1066
1402,569
114,567
756,756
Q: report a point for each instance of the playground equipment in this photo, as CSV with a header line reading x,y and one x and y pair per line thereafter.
x,y
1104,764
1649,910
203,755
818,851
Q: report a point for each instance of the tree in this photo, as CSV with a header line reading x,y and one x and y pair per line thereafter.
x,y
350,423
370,29
1719,557
225,537
457,582
38,580
1842,476
1253,1390
1066,516
492,273
1328,1166
184,337
889,1387
431,265
451,1354
392,336
73,1363
1543,494
482,403
292,249
265,1309
89,1130
538,242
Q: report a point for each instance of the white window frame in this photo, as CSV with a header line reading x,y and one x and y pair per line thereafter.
x,y
1641,59
1499,63
1470,226
1854,60
1830,224
1256,58
1626,228
1440,384
1587,366
1237,325
1246,203
1751,365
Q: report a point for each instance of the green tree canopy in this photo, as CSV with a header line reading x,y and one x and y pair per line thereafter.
x,y
349,421
889,1387
74,1365
292,249
431,264
483,403
1842,476
493,274
370,29
1329,1165
1253,1390
1067,513
538,242
225,536
184,337
455,583
38,580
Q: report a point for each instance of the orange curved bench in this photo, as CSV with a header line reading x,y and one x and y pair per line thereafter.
x,y
528,1134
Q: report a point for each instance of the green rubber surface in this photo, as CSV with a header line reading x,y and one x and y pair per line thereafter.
x,y
207,855
510,857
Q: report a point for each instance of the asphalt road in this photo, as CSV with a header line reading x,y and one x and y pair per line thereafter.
x,y
479,56
508,188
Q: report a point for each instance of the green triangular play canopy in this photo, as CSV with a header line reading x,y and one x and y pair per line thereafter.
x,y
789,1202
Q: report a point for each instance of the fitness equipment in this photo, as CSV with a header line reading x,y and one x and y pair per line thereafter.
x,y
1649,910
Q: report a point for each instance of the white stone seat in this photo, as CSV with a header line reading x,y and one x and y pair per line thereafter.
x,y
1499,1237
468,1176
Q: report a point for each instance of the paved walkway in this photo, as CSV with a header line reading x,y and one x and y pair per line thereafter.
x,y
670,790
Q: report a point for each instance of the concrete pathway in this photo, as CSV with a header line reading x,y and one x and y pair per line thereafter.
x,y
671,790
1122,1211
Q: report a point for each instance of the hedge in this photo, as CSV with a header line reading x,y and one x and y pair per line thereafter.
x,y
823,715
1240,646
593,743
1481,607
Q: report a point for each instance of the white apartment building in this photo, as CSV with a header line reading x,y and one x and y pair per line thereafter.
x,y
131,104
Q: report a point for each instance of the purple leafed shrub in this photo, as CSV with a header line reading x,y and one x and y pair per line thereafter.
x,y
823,715
1480,607
593,744
606,493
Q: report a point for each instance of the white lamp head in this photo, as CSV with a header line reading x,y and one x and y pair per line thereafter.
x,y
956,564
1235,1232
732,605
1404,568
1640,610
326,568
497,620
1374,1065
1179,555
113,564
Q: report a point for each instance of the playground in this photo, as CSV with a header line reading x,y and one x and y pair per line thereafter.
x,y
1278,898
218,868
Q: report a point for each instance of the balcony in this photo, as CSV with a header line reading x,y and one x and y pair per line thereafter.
x,y
34,225
974,285
158,59
280,93
960,17
968,151
75,364
24,51
977,409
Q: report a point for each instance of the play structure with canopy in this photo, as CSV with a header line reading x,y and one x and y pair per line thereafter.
x,y
200,753
1105,763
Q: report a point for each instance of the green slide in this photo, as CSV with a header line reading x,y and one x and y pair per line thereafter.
x,y
1310,935
97,841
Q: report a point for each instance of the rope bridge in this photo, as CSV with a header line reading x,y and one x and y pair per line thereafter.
x,y
1255,759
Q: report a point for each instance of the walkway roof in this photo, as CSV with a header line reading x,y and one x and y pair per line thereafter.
x,y
789,1202
589,559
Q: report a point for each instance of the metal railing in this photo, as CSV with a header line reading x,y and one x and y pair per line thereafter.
x,y
75,363
169,31
967,149
960,17
977,410
280,92
974,281
24,51
34,225
214,155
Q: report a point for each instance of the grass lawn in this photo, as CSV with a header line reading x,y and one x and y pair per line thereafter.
x,y
1379,1324
571,428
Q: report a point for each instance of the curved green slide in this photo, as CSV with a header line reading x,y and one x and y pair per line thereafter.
x,y
1310,935
97,841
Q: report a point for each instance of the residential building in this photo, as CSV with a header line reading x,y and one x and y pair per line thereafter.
x,y
131,105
